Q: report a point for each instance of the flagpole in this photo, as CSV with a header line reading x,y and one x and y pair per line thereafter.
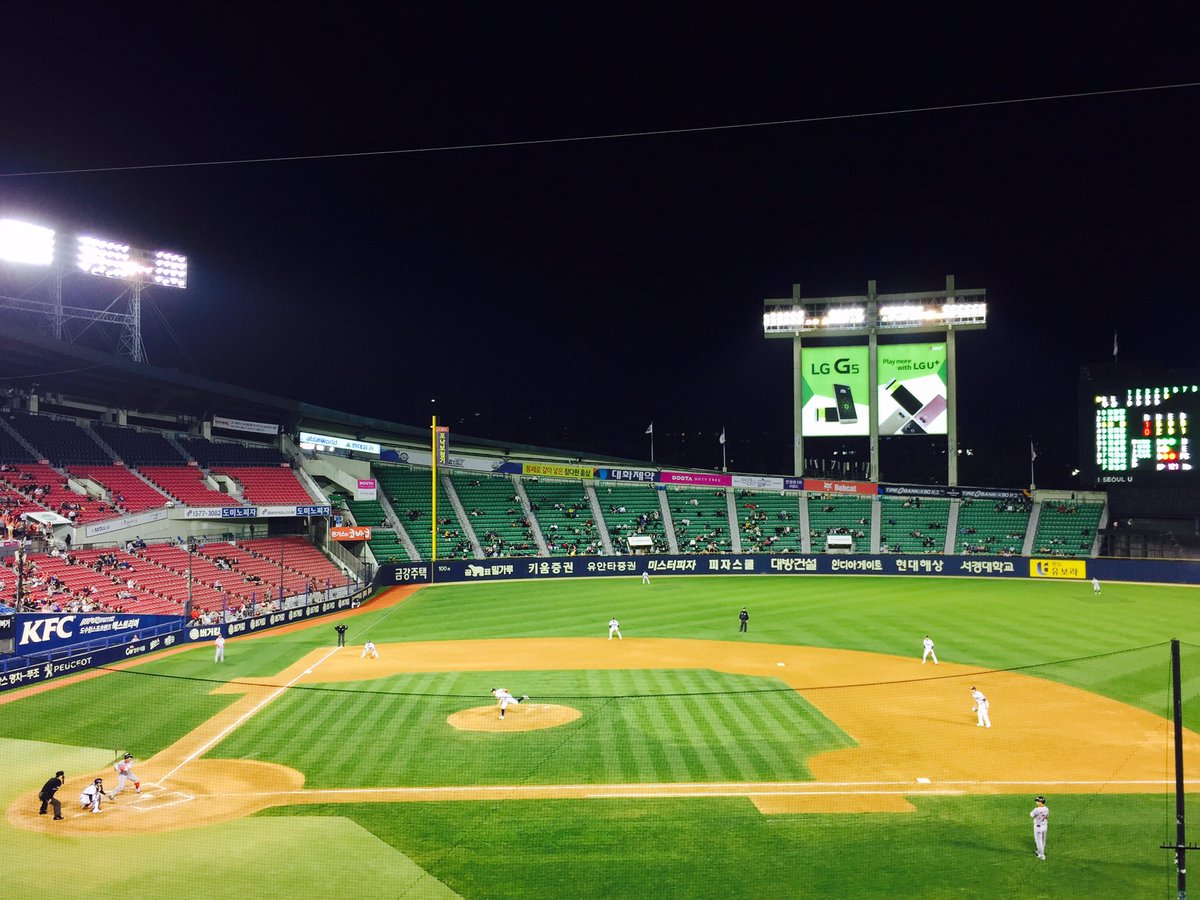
x,y
724,466
1032,457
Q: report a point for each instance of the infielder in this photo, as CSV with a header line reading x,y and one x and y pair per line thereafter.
x,y
369,650
980,709
1095,585
91,795
928,651
124,769
220,654
614,627
1040,816
505,698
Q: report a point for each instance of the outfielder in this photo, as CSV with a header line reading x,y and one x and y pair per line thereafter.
x,y
928,651
614,627
1095,585
220,654
646,577
1040,816
981,708
124,769
505,698
369,650
91,795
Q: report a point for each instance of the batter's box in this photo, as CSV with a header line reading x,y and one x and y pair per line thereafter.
x,y
160,800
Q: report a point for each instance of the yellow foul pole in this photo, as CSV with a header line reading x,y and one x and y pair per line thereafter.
x,y
433,483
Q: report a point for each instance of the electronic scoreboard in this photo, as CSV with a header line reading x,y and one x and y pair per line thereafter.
x,y
1137,425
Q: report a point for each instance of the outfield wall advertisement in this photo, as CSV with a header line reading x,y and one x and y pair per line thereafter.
x,y
833,392
912,393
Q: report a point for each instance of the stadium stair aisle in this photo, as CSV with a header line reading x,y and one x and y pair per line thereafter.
x,y
497,517
563,510
408,491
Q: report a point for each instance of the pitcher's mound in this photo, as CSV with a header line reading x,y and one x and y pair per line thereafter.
x,y
527,716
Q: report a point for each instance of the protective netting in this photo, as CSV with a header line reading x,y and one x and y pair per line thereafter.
x,y
749,777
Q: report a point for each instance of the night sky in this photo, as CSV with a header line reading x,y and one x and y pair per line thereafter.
x,y
566,294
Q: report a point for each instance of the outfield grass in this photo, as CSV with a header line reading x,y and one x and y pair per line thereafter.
x,y
381,733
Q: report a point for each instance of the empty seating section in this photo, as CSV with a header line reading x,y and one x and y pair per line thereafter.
x,y
305,568
58,440
701,519
212,454
186,485
913,524
408,489
139,448
12,450
212,587
497,516
839,514
277,486
632,509
994,527
125,490
43,485
385,542
563,511
770,522
1067,528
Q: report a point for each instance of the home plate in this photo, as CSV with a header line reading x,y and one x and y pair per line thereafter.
x,y
779,664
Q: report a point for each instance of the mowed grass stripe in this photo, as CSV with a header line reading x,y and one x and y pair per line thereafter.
x,y
712,760
730,744
641,726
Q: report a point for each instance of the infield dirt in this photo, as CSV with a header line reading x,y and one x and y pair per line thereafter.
x,y
914,730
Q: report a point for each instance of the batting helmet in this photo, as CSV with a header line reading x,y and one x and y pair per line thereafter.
x,y
129,756
98,781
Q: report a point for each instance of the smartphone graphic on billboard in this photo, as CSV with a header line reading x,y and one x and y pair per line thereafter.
x,y
893,423
911,427
931,411
845,403
903,396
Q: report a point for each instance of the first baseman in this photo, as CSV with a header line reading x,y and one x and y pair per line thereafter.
x,y
124,769
1040,816
928,651
506,698
981,708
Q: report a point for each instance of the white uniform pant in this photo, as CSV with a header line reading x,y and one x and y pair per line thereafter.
x,y
220,655
85,801
981,713
121,779
928,653
370,650
1039,840
613,629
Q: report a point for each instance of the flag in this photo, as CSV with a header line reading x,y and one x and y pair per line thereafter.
x,y
1032,452
1114,345
650,430
721,439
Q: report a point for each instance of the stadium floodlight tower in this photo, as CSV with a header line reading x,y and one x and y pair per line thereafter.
x,y
25,245
944,312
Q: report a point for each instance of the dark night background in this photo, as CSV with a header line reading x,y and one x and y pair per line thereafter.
x,y
568,294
